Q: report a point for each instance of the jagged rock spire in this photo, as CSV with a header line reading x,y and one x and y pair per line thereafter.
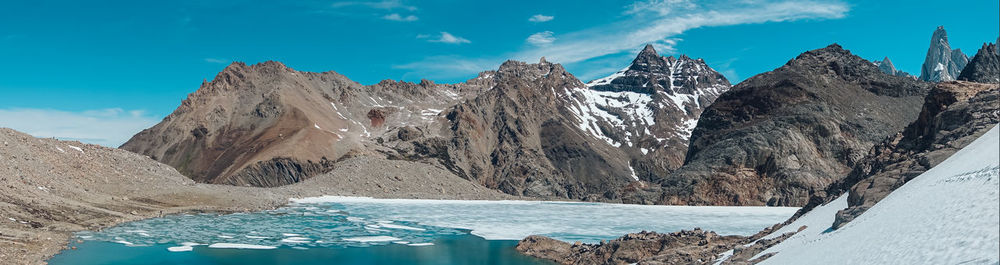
x,y
942,63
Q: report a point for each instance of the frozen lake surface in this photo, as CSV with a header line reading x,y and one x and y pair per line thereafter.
x,y
335,222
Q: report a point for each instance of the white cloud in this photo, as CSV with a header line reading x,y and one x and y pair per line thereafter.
x,y
661,7
445,37
384,5
544,38
447,67
654,22
216,60
107,127
397,17
540,18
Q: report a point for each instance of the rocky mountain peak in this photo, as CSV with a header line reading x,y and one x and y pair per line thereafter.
x,y
650,107
984,66
887,67
942,63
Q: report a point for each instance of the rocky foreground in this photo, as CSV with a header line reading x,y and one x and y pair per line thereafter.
x,y
51,188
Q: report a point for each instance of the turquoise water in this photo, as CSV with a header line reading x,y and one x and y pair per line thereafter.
x,y
460,249
351,230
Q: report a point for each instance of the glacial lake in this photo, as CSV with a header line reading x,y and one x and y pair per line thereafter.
x,y
356,230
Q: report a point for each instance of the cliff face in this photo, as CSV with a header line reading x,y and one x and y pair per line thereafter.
x,y
776,136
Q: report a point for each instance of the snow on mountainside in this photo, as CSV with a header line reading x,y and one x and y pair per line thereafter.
x,y
652,105
947,215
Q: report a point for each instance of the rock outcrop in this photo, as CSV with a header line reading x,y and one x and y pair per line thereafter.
x,y
984,67
775,137
953,115
942,63
685,247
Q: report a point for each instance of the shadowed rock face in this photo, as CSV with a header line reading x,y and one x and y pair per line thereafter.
x,y
779,135
984,67
942,63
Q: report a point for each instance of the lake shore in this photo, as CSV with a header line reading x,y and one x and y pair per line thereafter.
x,y
52,188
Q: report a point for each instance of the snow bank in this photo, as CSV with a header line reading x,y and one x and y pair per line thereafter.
x,y
947,215
239,246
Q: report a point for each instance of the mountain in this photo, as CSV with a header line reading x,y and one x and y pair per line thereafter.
x,y
777,136
524,129
270,125
522,137
942,63
887,67
651,106
984,66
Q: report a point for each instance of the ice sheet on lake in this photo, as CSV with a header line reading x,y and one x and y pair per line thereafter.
x,y
358,222
568,221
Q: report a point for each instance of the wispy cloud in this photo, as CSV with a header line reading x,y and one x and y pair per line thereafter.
x,y
397,17
659,21
216,60
544,38
384,5
444,37
446,67
540,18
107,127
660,7
652,21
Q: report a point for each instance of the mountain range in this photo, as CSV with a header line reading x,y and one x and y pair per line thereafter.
x,y
663,130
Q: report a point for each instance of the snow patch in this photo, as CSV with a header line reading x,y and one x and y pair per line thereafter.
x,y
239,246
371,239
76,148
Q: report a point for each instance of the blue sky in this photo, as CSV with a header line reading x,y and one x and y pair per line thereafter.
x,y
100,71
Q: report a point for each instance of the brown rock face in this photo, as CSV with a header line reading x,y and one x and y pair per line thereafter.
x,y
779,135
684,247
269,125
520,137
